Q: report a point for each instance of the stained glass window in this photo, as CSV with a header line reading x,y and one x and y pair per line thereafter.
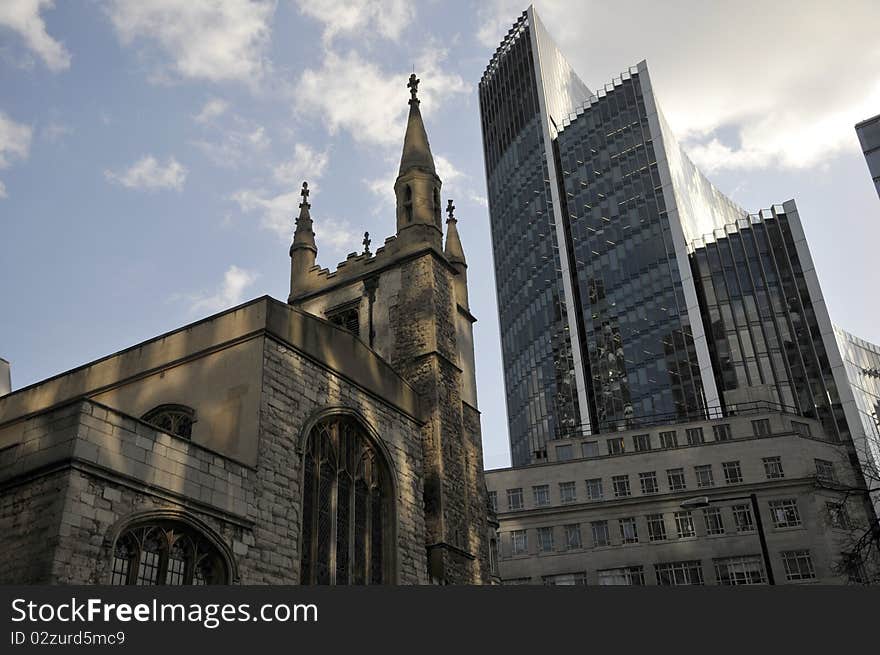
x,y
345,507
166,553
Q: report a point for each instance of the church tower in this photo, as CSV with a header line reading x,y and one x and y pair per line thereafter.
x,y
408,302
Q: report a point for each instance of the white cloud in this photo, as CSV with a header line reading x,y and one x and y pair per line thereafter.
x,y
387,18
215,40
23,17
15,143
306,164
278,212
230,293
15,140
353,94
787,79
213,108
149,174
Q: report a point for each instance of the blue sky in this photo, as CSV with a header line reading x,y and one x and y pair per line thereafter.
x,y
151,152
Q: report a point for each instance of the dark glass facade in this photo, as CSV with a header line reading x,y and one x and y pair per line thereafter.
x,y
765,337
539,363
636,329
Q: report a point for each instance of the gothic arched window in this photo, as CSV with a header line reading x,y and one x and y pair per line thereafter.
x,y
166,553
408,203
346,507
173,419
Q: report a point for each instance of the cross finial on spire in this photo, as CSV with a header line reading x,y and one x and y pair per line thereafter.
x,y
413,86
366,243
305,196
450,209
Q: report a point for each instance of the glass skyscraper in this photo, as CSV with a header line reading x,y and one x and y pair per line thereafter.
x,y
631,291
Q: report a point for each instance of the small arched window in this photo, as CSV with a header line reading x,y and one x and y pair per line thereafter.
x,y
438,215
408,203
346,507
166,553
173,419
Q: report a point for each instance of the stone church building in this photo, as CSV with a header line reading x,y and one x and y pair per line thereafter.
x,y
331,439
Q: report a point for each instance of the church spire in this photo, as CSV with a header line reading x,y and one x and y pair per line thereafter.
x,y
416,150
303,251
454,252
455,256
417,187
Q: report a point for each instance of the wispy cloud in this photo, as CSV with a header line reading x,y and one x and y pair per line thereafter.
x,y
23,17
15,143
354,94
149,174
228,294
306,164
385,18
215,40
213,108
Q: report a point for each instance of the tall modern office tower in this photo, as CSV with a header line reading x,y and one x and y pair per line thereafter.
x,y
631,291
869,137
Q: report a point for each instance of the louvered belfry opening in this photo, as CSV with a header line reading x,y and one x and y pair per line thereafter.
x,y
346,507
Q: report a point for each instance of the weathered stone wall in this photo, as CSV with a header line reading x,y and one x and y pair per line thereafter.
x,y
294,390
78,473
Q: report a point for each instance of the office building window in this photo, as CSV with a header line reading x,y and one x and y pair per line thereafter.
x,y
743,570
628,532
573,536
824,471
761,427
642,442
785,513
675,477
773,468
722,432
590,448
601,536
798,565
565,579
519,542
801,429
648,482
694,436
620,484
656,527
668,439
626,576
514,498
542,495
493,500
704,475
714,522
684,525
679,573
567,492
732,472
545,540
594,489
742,517
615,446
564,453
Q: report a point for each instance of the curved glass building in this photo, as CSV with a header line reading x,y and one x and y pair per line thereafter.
x,y
630,290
